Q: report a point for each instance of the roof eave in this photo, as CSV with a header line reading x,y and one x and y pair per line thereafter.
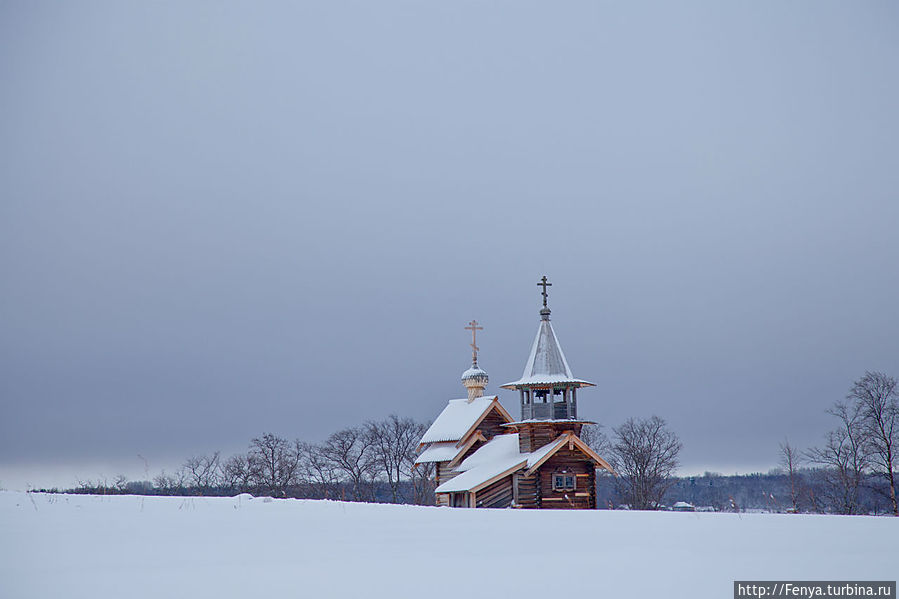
x,y
538,383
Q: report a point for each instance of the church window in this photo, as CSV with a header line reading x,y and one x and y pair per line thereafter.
x,y
563,482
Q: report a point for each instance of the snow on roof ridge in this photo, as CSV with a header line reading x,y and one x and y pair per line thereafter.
x,y
457,418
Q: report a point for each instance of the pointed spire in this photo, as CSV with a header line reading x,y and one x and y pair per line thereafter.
x,y
546,363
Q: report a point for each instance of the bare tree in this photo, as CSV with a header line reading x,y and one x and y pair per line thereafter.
x,y
843,459
235,474
120,483
877,399
393,448
274,463
203,472
170,484
424,483
790,459
319,471
644,454
350,452
593,436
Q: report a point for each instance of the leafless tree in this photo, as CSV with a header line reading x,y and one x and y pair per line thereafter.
x,y
350,453
593,435
843,459
120,483
644,453
790,459
319,471
424,483
393,443
877,399
170,484
203,472
275,463
236,473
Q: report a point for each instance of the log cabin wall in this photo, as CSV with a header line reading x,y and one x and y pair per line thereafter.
x,y
445,473
528,491
571,462
498,494
471,450
492,424
534,435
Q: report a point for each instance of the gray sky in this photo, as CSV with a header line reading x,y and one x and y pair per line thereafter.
x,y
221,220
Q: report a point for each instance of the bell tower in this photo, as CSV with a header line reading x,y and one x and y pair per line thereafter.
x,y
547,389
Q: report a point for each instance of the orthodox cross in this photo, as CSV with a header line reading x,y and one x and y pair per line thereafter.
x,y
544,283
474,328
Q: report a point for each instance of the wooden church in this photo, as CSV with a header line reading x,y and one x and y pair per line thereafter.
x,y
486,458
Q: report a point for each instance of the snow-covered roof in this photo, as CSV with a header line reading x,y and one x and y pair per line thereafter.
x,y
500,447
503,455
500,455
536,456
457,418
438,452
546,364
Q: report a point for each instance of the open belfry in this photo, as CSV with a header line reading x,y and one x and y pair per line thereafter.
x,y
486,458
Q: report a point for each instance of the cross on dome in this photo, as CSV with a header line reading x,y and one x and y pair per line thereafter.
x,y
474,328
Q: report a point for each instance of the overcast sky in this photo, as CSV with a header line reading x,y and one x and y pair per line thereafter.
x,y
223,219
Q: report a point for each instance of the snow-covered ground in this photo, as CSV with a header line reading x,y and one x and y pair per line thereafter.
x,y
91,546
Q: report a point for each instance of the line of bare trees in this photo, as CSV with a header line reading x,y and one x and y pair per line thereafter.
x,y
859,454
361,463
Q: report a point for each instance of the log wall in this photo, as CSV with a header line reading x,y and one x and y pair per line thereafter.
x,y
444,473
492,424
570,461
498,494
528,491
534,435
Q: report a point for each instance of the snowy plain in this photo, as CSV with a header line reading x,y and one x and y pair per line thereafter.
x,y
110,546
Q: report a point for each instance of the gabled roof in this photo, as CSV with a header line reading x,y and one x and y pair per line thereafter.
x,y
449,451
460,417
500,457
570,439
546,364
438,452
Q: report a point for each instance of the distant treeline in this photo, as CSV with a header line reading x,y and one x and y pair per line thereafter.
x,y
769,491
372,462
853,473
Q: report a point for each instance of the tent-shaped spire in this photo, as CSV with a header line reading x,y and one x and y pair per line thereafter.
x,y
546,364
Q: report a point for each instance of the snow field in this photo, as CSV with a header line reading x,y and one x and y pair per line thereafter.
x,y
95,546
